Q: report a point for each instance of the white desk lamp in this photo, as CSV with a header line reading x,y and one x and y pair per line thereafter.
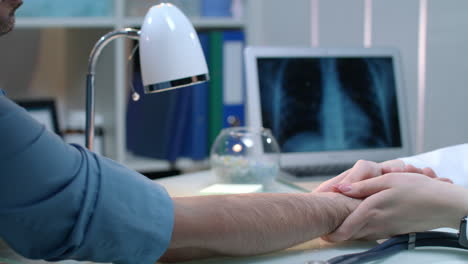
x,y
170,54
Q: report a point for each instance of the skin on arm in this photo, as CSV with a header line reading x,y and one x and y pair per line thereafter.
x,y
251,224
399,203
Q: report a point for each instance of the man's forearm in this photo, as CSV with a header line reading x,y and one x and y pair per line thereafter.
x,y
254,223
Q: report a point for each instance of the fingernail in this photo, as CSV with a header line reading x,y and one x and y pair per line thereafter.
x,y
336,186
345,187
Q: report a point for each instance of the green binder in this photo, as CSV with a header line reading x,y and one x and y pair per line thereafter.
x,y
215,65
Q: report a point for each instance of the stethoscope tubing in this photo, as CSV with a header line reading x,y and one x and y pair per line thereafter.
x,y
401,243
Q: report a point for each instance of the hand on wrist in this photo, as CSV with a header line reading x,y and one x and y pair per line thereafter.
x,y
336,208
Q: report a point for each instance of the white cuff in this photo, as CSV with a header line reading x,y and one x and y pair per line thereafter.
x,y
450,162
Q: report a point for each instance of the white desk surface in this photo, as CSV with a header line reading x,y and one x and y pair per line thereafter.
x,y
191,184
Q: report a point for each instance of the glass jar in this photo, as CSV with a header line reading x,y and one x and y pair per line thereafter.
x,y
245,155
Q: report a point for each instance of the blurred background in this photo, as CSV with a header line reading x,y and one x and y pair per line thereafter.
x,y
46,58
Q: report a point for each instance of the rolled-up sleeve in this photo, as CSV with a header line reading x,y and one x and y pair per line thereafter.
x,y
59,201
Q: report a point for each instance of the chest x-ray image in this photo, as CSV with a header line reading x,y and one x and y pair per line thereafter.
x,y
329,104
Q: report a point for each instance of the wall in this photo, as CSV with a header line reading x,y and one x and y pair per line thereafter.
x,y
52,63
278,22
35,67
447,78
434,64
320,23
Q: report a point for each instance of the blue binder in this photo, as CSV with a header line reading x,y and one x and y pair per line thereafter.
x,y
196,123
233,78
182,125
150,122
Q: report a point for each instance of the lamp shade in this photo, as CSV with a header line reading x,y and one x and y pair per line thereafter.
x,y
170,52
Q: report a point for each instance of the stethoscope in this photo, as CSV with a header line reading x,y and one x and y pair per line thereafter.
x,y
398,244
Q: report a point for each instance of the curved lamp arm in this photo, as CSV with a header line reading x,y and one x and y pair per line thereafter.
x,y
95,53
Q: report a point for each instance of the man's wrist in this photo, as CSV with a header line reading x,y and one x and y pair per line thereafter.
x,y
335,209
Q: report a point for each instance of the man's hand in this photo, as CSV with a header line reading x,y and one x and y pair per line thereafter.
x,y
364,170
400,203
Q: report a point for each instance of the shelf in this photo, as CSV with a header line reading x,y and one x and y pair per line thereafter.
x,y
96,22
199,23
81,22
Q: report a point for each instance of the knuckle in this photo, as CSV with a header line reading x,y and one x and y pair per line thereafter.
x,y
364,165
362,162
431,171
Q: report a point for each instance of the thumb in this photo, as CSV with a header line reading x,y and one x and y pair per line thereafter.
x,y
364,188
351,226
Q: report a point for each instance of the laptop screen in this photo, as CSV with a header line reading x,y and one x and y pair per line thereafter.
x,y
330,103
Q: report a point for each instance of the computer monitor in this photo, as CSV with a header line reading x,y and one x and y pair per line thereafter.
x,y
328,106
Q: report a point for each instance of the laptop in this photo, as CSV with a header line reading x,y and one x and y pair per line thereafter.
x,y
328,108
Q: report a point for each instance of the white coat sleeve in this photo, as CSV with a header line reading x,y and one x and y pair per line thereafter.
x,y
450,162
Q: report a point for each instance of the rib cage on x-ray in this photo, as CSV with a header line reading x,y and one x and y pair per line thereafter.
x,y
324,104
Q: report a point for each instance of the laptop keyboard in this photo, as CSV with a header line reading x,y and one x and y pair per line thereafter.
x,y
322,170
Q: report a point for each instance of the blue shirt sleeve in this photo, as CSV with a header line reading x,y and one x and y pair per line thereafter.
x,y
59,201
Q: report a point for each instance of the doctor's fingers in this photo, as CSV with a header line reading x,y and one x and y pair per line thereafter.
x,y
353,224
406,168
410,169
362,170
366,188
429,172
328,185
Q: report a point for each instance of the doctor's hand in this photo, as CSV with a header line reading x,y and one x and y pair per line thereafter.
x,y
364,170
400,203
